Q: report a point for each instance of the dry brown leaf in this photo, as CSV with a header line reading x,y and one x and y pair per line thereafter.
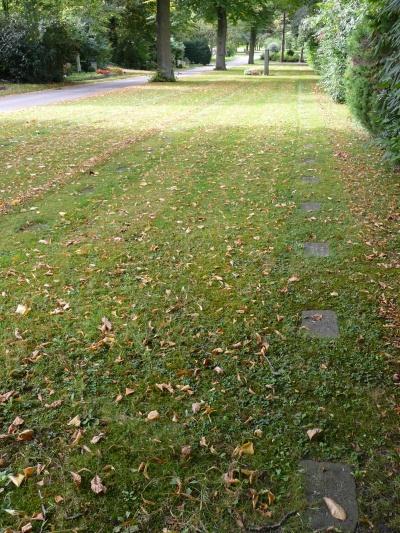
x,y
58,499
196,407
97,438
25,435
22,310
106,325
17,479
76,421
245,449
314,433
335,509
29,471
26,528
77,479
153,415
294,278
186,451
97,485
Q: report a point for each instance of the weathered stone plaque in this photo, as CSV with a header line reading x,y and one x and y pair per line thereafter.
x,y
322,324
316,249
334,481
309,207
310,179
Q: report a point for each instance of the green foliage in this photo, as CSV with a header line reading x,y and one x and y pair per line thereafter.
x,y
132,35
198,51
327,34
290,56
34,52
373,78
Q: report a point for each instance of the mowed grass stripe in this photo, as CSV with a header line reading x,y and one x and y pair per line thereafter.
x,y
188,251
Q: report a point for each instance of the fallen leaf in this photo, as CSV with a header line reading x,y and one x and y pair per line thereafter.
x,y
293,279
97,486
153,415
29,471
186,451
196,407
76,421
97,438
77,479
314,433
106,325
17,479
22,309
245,449
25,435
26,528
335,509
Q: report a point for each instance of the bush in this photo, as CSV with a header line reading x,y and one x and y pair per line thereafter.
x,y
32,51
373,77
327,35
294,57
198,51
273,47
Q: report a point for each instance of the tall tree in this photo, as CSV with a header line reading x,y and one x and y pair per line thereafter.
x,y
165,70
220,11
258,16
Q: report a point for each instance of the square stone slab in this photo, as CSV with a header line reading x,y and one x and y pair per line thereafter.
x,y
316,249
309,207
310,179
322,324
335,481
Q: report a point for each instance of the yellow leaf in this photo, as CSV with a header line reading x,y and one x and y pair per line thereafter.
x,y
245,449
76,421
153,415
17,479
335,509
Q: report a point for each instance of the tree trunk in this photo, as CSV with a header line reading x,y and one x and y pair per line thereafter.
x,y
165,71
283,37
78,62
221,38
302,55
253,39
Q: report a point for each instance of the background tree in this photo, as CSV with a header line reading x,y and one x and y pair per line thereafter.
x,y
165,70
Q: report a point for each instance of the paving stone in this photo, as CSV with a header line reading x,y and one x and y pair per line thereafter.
x,y
310,179
317,249
321,324
310,206
335,481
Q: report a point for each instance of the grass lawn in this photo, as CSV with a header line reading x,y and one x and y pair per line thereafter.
x,y
151,242
73,79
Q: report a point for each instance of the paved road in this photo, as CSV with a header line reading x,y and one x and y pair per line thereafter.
x,y
52,96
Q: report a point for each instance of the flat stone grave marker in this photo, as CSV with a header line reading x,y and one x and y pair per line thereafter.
x,y
310,179
334,481
310,206
316,249
322,324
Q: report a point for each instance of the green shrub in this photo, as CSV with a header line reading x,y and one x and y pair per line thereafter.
x,y
198,51
32,51
273,47
293,57
326,35
373,77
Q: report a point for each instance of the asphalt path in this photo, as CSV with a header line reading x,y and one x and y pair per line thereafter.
x,y
53,96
